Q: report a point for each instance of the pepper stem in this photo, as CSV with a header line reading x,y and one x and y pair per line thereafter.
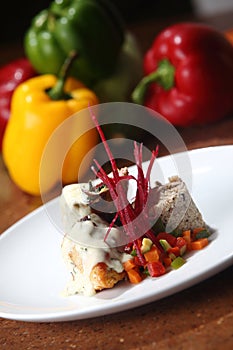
x,y
163,75
57,91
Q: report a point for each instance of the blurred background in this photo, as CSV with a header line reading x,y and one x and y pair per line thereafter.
x,y
17,16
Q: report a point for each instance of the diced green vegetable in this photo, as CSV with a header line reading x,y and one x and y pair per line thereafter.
x,y
183,249
202,234
176,233
133,253
164,243
146,245
177,263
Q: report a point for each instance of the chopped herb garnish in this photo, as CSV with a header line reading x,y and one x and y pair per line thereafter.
x,y
202,234
134,252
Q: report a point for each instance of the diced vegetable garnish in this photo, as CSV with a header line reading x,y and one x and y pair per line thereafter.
x,y
178,262
164,243
182,244
152,255
168,237
146,245
156,262
187,237
202,234
199,243
174,251
129,264
156,268
134,276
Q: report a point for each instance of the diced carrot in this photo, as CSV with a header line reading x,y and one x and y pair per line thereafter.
x,y
199,243
152,255
129,264
187,237
186,233
134,276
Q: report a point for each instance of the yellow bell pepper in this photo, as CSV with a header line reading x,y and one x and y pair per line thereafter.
x,y
34,118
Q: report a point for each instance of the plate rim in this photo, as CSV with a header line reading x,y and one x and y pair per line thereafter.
x,y
117,306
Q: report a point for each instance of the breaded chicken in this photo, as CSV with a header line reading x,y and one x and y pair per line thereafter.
x,y
103,277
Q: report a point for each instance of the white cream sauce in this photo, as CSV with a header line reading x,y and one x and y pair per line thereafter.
x,y
87,237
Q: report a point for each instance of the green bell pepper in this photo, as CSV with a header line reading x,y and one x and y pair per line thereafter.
x,y
92,28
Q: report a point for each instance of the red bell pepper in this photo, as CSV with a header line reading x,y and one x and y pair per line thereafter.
x,y
169,238
188,75
11,75
156,269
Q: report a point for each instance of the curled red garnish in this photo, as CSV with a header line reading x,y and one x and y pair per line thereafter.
x,y
133,218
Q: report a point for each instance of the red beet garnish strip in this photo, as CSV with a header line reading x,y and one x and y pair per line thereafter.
x,y
132,219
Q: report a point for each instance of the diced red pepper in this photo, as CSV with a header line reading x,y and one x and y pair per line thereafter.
x,y
180,242
167,261
138,261
174,250
169,238
139,242
156,269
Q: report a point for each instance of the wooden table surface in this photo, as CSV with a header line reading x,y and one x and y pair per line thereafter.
x,y
200,317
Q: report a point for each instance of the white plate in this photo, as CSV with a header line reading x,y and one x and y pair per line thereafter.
x,y
32,273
